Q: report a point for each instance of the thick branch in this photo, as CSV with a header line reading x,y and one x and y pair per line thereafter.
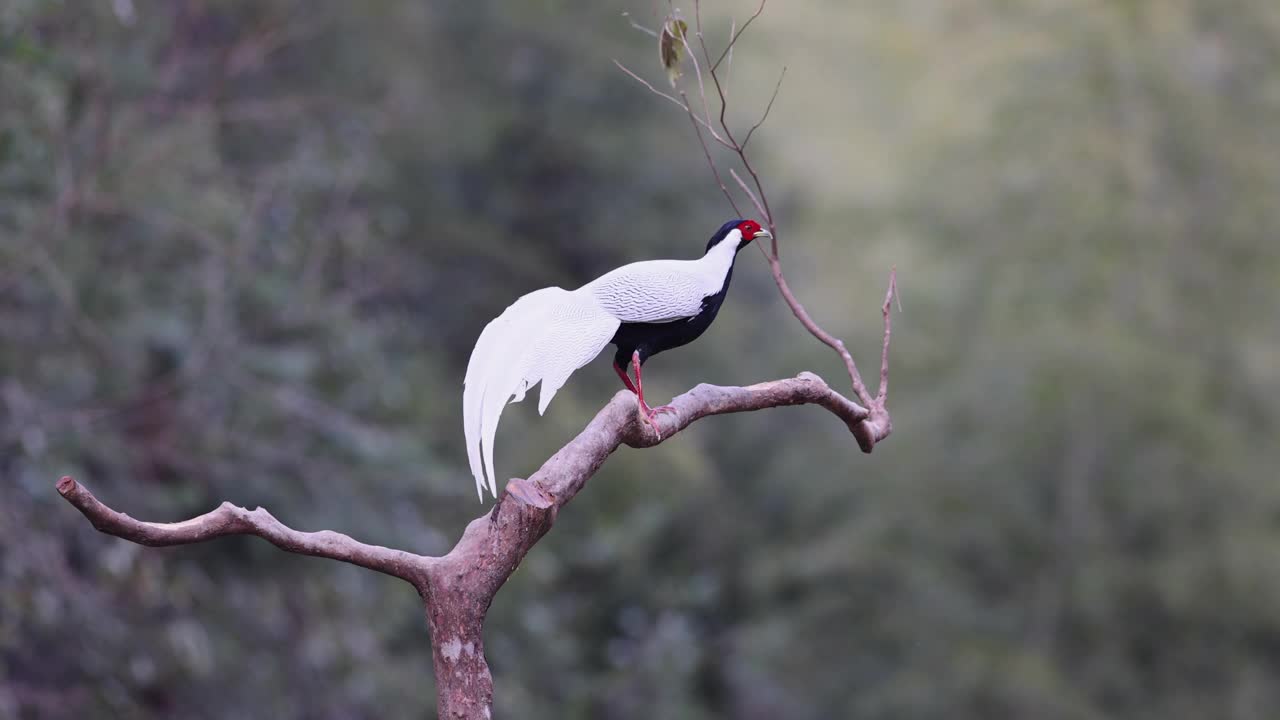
x,y
230,519
705,399
458,588
492,546
491,539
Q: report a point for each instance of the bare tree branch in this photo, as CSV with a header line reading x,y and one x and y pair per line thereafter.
x,y
889,296
728,69
230,519
683,102
760,200
706,151
755,201
638,26
697,69
682,105
733,39
765,116
457,589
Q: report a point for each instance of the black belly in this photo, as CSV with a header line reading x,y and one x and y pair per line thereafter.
x,y
652,338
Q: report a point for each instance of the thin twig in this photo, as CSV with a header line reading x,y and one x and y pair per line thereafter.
x,y
734,38
889,295
715,170
764,199
681,105
638,26
754,200
733,144
702,40
767,108
702,92
826,338
697,69
724,93
728,68
724,102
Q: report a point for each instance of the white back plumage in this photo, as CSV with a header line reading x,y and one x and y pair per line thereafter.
x,y
546,335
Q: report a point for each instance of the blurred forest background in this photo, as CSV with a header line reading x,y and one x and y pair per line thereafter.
x,y
246,247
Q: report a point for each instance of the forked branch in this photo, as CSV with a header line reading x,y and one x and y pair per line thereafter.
x,y
457,588
755,192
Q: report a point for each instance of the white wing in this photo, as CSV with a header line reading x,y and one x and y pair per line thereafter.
x,y
544,336
657,291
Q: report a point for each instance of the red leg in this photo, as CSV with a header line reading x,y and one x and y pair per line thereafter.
x,y
648,413
651,412
635,363
625,380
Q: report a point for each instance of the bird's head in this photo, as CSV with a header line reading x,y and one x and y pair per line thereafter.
x,y
739,232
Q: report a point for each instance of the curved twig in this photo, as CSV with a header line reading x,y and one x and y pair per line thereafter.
x,y
682,105
765,116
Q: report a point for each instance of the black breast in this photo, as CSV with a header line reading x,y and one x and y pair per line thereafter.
x,y
652,338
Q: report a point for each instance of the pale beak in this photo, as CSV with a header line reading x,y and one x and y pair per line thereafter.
x,y
762,233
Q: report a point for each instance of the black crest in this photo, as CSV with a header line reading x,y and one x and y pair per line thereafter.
x,y
724,230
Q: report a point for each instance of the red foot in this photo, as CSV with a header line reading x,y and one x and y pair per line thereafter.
x,y
650,416
659,410
652,412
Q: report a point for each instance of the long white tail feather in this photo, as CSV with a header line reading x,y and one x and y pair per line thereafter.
x,y
473,392
542,337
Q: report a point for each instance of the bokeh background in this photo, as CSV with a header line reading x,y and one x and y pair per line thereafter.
x,y
246,247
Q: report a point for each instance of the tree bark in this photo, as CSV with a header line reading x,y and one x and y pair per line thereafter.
x,y
458,588
455,615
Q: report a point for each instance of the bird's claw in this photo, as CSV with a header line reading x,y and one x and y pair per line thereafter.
x,y
650,415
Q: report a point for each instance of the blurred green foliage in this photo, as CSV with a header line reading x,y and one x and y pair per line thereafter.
x,y
245,248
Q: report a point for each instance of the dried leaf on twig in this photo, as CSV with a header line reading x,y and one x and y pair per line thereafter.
x,y
671,44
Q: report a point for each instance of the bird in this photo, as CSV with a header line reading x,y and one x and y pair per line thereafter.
x,y
642,308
